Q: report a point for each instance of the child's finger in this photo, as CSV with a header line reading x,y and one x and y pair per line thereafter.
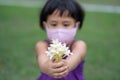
x,y
57,65
61,75
59,70
65,63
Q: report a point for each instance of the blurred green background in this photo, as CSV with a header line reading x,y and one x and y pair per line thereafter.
x,y
19,32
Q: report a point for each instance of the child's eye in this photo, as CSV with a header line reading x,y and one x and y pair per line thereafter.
x,y
54,25
66,25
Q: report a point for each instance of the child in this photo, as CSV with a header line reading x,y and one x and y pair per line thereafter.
x,y
61,19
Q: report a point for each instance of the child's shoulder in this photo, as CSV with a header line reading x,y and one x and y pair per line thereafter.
x,y
41,43
79,43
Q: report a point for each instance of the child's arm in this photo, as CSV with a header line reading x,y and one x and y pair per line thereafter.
x,y
40,49
56,70
79,52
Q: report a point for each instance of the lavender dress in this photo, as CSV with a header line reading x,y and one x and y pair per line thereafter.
x,y
76,74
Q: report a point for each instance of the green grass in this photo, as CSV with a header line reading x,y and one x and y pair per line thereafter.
x,y
19,32
101,32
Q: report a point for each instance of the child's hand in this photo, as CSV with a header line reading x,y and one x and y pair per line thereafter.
x,y
57,70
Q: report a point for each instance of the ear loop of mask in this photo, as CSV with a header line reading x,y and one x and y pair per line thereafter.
x,y
76,25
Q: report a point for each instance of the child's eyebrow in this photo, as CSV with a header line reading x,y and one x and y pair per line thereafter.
x,y
66,21
53,21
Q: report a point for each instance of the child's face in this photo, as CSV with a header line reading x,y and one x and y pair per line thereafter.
x,y
55,21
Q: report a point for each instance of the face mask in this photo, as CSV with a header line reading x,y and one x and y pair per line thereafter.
x,y
63,35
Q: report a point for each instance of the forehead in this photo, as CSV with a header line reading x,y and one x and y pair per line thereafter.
x,y
56,15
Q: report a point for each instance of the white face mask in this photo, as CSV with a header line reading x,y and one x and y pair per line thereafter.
x,y
63,35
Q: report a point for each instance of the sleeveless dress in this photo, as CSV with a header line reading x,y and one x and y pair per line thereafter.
x,y
76,74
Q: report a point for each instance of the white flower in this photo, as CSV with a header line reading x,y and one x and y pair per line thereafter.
x,y
57,50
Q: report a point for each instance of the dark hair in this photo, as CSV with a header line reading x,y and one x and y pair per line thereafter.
x,y
73,8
